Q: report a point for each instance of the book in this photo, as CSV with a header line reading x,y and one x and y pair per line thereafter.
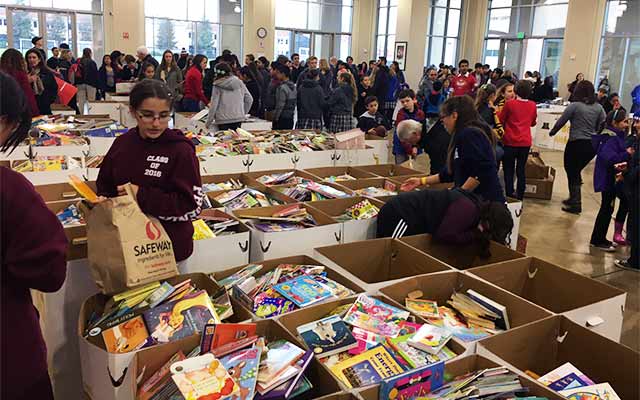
x,y
136,291
83,189
159,295
239,276
232,347
181,318
222,305
430,338
304,291
503,318
414,357
601,391
562,371
413,384
217,335
287,374
243,368
281,354
452,322
338,290
327,336
423,308
568,382
286,389
203,377
127,336
368,368
159,378
375,316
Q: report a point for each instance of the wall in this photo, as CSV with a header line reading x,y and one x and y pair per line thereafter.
x,y
411,27
364,29
259,14
472,29
123,17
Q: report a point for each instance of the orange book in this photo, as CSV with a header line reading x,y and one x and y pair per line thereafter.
x,y
83,189
127,336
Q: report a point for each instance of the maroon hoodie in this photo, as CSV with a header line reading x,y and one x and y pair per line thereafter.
x,y
167,171
33,250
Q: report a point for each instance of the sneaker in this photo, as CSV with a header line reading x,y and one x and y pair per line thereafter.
x,y
625,264
573,209
619,239
604,246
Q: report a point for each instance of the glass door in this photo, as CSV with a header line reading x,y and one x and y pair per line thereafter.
x,y
59,30
510,55
302,44
322,45
24,26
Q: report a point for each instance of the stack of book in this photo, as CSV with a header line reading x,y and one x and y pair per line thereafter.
x,y
339,178
278,179
291,218
70,216
368,341
468,316
225,367
220,186
156,313
359,211
373,191
46,163
93,161
245,198
283,289
570,382
220,225
308,190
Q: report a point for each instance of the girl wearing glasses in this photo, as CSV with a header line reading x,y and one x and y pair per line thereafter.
x,y
160,163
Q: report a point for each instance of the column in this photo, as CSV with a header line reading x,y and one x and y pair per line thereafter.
x,y
259,14
363,30
411,27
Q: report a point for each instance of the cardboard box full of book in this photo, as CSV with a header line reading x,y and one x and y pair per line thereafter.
x,y
586,301
541,188
460,257
556,351
228,247
339,174
469,307
268,302
515,208
357,215
381,188
376,263
473,365
108,346
273,236
153,366
389,170
60,191
278,176
232,164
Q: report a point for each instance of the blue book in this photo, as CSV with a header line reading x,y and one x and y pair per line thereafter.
x,y
570,381
303,291
414,383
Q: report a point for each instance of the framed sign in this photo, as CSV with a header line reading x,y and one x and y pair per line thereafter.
x,y
400,53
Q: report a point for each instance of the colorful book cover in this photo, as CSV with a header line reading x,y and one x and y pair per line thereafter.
x,y
156,382
450,321
423,308
327,336
413,384
568,382
407,328
601,391
241,275
376,316
414,357
562,371
243,368
366,340
285,390
159,295
126,336
338,290
203,377
217,335
304,291
430,338
367,368
280,355
181,318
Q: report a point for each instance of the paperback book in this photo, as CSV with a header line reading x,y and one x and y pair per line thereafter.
x,y
304,291
327,336
368,368
413,384
375,316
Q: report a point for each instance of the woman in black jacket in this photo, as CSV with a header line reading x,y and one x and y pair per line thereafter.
x,y
340,104
106,77
544,92
42,81
310,101
250,77
87,80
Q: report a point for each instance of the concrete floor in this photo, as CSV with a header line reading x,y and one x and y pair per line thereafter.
x,y
563,239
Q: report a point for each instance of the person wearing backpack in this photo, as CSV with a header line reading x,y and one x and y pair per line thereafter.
x,y
85,76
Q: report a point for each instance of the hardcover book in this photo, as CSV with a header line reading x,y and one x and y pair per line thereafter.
x,y
327,336
376,316
368,368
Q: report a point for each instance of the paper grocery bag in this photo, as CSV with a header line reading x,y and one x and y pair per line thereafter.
x,y
125,247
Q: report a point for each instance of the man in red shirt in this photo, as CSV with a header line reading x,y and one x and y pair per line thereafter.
x,y
464,82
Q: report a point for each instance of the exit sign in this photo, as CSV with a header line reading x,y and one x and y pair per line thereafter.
x,y
520,35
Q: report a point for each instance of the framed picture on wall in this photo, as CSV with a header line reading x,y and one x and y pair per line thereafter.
x,y
400,54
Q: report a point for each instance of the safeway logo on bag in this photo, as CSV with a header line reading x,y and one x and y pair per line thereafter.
x,y
153,232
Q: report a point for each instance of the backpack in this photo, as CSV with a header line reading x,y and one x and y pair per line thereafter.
x,y
75,72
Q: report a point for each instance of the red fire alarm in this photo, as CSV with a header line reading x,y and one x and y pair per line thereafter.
x,y
125,35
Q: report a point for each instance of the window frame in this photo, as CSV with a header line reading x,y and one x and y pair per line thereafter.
x,y
386,33
445,36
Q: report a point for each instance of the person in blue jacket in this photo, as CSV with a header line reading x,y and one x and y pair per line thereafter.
x,y
635,98
471,159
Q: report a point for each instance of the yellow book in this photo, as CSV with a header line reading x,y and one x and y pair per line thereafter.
x,y
134,292
368,368
83,189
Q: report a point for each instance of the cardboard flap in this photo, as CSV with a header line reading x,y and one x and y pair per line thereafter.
x,y
337,207
389,170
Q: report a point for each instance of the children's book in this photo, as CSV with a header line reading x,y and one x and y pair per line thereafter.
x,y
137,291
181,318
568,382
366,340
281,354
338,290
286,390
430,338
375,316
203,377
450,321
367,368
159,295
423,308
217,335
562,371
239,276
83,189
304,291
159,378
413,384
601,391
327,336
127,336
503,321
243,368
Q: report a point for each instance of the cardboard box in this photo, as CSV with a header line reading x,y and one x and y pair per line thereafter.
x,y
389,170
112,376
315,159
376,263
220,252
587,302
270,265
460,257
49,177
253,176
326,172
547,344
76,235
541,188
515,208
465,365
351,139
242,178
124,87
371,182
270,161
535,168
266,245
440,287
223,165
150,360
380,146
354,230
112,108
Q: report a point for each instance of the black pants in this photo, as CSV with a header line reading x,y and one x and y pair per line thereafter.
x,y
231,126
282,124
633,232
577,154
623,207
601,226
515,158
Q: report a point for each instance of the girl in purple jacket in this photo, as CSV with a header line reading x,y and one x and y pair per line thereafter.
x,y
611,154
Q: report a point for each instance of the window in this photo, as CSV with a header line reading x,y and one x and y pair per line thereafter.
x,y
198,26
526,35
619,59
320,27
386,31
443,31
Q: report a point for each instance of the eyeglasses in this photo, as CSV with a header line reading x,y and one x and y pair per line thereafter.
x,y
149,117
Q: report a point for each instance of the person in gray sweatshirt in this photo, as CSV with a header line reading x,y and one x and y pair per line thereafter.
x,y
230,100
285,99
587,118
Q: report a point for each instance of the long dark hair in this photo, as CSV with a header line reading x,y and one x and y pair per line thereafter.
x,y
496,223
14,109
222,70
41,65
163,64
149,89
467,117
615,116
104,64
584,92
12,60
86,56
197,60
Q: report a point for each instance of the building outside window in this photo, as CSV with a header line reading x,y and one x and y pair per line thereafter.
x,y
526,35
619,59
198,26
443,31
386,28
320,27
